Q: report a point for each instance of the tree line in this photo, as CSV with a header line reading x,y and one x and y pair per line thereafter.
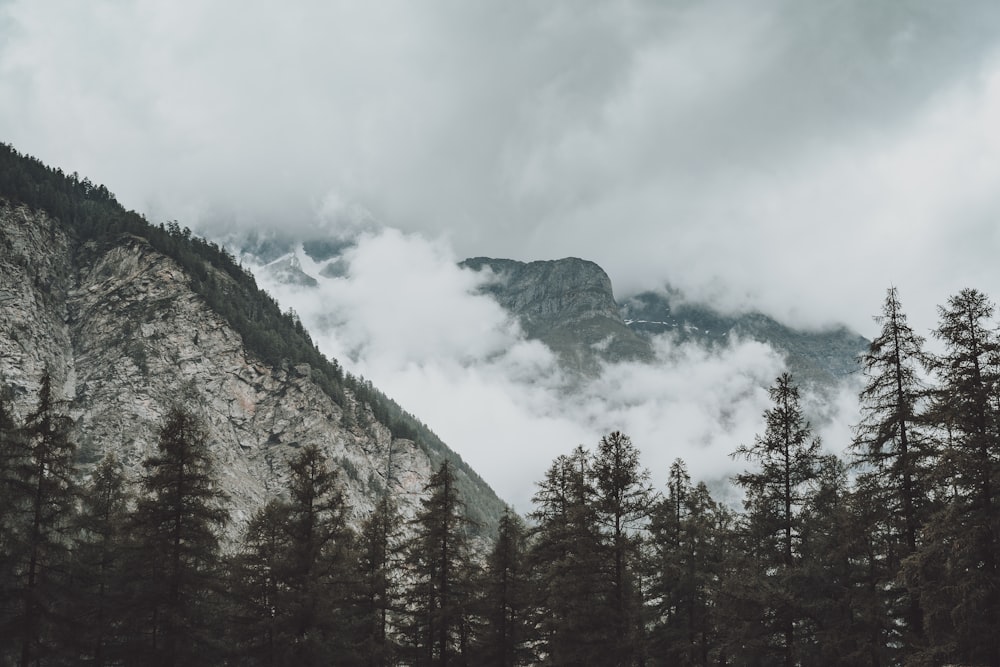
x,y
888,557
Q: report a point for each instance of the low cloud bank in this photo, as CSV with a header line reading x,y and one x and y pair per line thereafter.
x,y
404,315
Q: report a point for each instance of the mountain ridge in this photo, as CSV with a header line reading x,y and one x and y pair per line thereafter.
x,y
74,257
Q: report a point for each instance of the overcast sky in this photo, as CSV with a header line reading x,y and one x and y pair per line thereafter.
x,y
797,157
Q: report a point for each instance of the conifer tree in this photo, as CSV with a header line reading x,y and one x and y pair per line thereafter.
x,y
568,566
315,573
378,590
44,497
687,542
787,456
956,567
507,632
179,516
99,606
438,558
256,633
13,506
623,502
893,454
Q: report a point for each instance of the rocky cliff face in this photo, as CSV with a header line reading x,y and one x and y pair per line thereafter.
x,y
568,304
125,337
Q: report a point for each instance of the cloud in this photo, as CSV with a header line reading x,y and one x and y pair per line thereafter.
x,y
796,158
453,357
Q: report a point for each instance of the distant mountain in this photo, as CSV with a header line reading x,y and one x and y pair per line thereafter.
x,y
568,304
131,318
817,358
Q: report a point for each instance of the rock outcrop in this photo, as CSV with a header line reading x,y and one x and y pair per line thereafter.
x,y
125,337
569,305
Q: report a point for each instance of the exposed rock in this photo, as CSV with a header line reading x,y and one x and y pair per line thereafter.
x,y
125,337
568,304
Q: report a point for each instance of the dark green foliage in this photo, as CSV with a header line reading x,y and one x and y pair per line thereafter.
x,y
315,573
623,502
100,605
787,457
378,592
293,580
687,551
507,633
179,516
41,492
956,568
569,566
893,453
437,625
13,505
257,631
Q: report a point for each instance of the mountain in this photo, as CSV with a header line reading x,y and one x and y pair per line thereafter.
x,y
820,359
131,318
569,305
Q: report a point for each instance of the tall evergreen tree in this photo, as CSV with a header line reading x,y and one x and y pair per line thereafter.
x,y
507,633
623,500
256,634
43,502
179,516
378,589
893,455
14,452
99,606
687,541
787,457
316,570
439,560
568,565
956,568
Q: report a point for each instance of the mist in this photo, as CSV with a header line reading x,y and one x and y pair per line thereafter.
x,y
422,333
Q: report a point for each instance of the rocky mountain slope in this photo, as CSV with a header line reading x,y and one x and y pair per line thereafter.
x,y
122,321
568,304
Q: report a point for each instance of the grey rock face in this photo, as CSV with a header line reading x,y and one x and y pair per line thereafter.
x,y
569,305
125,338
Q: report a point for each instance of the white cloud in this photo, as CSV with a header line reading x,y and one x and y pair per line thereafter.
x,y
451,356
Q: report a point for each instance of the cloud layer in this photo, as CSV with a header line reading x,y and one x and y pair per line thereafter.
x,y
453,357
794,157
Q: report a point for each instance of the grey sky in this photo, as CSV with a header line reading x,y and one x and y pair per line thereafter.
x,y
797,157
773,150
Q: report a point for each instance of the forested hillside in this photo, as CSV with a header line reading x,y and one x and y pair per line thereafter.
x,y
89,213
888,556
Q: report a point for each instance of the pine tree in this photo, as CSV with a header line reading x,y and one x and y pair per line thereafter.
x,y
687,541
623,501
378,590
99,564
787,456
44,497
893,453
179,516
14,452
315,572
439,571
956,567
256,634
568,565
507,633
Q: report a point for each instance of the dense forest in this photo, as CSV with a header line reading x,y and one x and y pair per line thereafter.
x,y
886,556
90,213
